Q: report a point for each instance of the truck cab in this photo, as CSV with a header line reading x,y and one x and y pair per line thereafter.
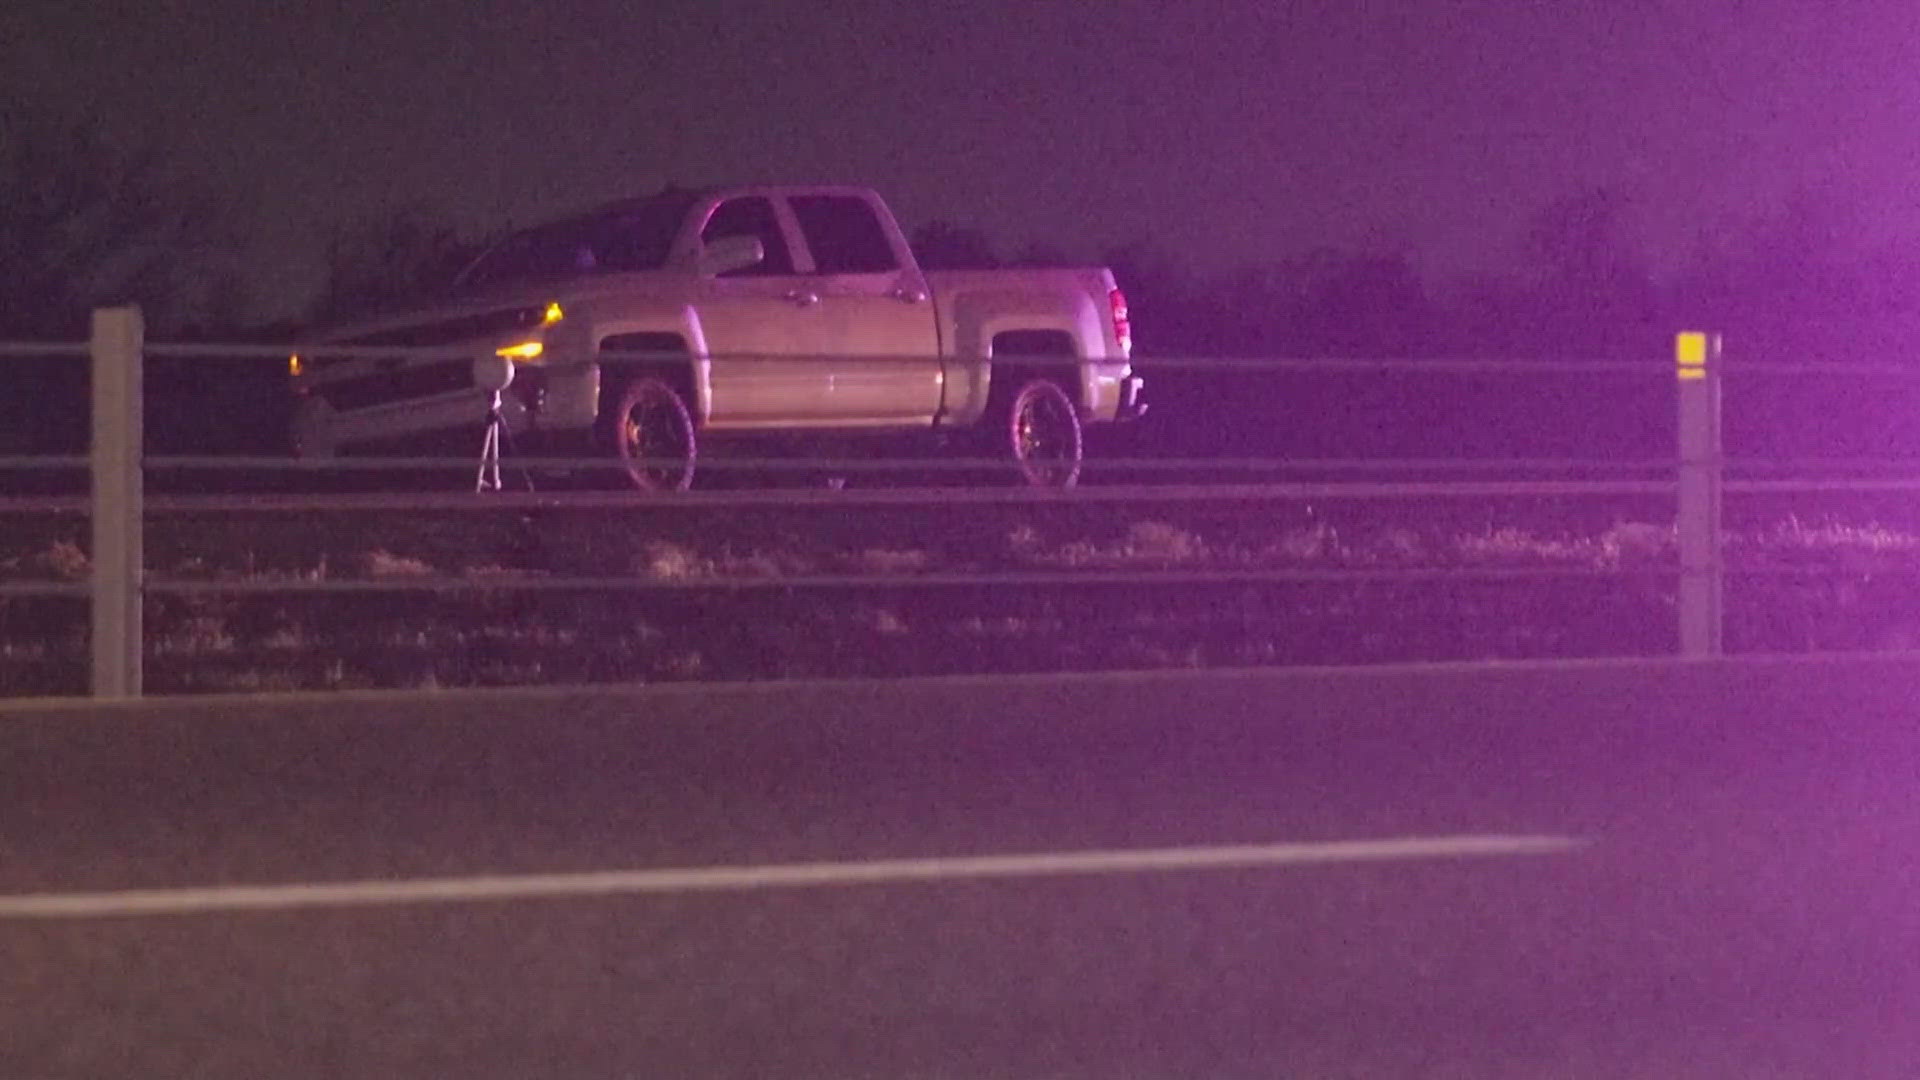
x,y
747,309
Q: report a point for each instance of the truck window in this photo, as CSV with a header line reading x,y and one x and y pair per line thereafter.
x,y
751,216
844,234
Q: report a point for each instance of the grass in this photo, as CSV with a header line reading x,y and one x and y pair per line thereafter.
x,y
1862,596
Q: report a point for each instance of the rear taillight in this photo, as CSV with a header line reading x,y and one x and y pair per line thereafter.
x,y
1122,329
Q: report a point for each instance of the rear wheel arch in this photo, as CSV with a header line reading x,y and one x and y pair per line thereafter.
x,y
1030,354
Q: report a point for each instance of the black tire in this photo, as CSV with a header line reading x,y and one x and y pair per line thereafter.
x,y
1040,428
652,434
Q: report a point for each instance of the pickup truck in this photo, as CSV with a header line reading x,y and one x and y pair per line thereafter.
x,y
645,326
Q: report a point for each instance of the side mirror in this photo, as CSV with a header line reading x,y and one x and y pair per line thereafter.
x,y
730,253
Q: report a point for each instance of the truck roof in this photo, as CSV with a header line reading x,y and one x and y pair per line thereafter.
x,y
692,194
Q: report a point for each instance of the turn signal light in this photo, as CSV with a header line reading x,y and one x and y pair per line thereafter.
x,y
526,350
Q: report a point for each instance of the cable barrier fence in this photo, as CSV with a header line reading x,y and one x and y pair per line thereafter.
x,y
860,560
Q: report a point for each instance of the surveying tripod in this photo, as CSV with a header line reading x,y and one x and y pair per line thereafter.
x,y
488,478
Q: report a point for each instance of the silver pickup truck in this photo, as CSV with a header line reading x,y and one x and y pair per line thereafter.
x,y
646,325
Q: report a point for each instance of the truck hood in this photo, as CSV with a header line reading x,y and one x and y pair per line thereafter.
x,y
486,316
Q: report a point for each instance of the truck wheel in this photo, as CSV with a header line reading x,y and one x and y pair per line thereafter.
x,y
653,434
1043,431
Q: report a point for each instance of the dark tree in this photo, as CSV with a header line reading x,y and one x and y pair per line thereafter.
x,y
1167,319
1364,304
1592,288
1577,240
942,245
1793,267
1585,292
396,260
1797,286
1040,256
83,224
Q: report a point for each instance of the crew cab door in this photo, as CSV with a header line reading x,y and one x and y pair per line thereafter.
x,y
753,318
877,315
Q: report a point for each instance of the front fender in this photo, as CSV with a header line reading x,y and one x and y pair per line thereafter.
x,y
612,319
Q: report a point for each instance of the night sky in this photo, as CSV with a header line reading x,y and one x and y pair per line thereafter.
x,y
1221,131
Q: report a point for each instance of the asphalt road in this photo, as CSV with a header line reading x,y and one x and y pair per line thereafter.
x,y
1740,901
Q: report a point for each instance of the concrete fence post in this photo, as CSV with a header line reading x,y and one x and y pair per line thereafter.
x,y
1697,368
118,519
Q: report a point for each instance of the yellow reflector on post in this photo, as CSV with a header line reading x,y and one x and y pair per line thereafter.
x,y
1690,354
294,366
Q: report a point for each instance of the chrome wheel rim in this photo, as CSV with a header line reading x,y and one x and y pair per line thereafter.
x,y
1043,439
655,444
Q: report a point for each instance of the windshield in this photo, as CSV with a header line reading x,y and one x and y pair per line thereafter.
x,y
626,236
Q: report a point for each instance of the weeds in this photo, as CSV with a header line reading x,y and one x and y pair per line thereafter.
x,y
1860,590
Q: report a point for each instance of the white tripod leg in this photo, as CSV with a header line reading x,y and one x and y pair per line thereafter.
x,y
488,478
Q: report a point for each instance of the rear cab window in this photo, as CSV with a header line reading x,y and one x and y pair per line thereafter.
x,y
844,234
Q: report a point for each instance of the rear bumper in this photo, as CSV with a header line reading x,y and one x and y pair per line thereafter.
x,y
1133,404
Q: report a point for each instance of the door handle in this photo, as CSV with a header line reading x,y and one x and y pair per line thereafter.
x,y
908,296
803,298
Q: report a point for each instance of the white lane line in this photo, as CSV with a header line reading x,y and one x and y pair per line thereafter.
x,y
195,901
